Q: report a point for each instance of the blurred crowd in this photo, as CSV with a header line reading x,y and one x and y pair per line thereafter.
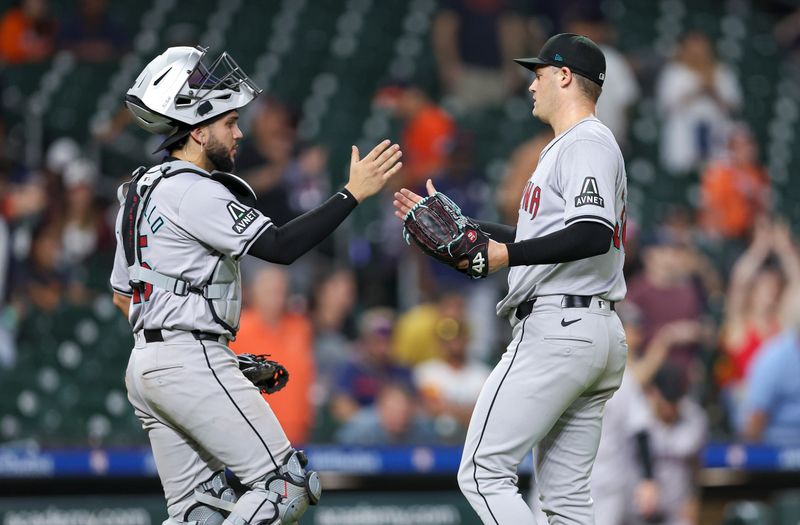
x,y
385,347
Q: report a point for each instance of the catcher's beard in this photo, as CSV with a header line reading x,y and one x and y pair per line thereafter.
x,y
218,155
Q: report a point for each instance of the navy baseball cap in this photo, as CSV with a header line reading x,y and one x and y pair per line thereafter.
x,y
576,52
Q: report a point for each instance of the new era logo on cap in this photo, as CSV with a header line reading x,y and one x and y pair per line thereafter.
x,y
580,54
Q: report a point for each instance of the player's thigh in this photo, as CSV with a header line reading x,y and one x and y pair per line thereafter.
x,y
209,399
536,380
563,459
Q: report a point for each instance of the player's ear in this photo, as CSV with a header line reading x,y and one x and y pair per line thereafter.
x,y
200,135
564,76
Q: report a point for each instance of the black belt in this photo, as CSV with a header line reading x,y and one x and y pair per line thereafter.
x,y
155,336
567,301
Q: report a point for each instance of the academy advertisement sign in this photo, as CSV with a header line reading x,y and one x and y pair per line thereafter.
x,y
86,510
400,508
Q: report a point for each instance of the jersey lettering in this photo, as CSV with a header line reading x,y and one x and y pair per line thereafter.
x,y
530,199
155,222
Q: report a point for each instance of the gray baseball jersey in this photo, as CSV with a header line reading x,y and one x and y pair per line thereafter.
x,y
549,390
192,230
580,177
192,225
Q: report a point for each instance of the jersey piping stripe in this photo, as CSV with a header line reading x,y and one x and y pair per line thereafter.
x,y
208,362
256,512
126,293
486,422
589,218
253,240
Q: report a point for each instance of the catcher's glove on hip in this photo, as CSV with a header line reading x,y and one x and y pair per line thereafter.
x,y
269,376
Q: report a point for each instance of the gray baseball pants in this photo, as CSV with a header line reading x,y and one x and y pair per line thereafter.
x,y
201,415
547,393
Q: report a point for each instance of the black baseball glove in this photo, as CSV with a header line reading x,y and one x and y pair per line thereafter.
x,y
269,376
438,227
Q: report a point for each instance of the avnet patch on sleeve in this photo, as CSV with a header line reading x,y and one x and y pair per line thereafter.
x,y
243,217
589,194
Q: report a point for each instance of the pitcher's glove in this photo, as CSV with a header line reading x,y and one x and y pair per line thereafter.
x,y
438,227
269,376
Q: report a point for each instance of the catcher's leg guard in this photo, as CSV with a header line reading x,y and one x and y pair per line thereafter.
x,y
281,498
214,500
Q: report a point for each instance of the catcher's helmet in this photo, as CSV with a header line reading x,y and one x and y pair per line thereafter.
x,y
176,91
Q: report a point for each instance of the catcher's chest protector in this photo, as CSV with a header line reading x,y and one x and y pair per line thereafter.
x,y
223,290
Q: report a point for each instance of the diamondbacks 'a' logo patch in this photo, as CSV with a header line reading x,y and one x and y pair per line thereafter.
x,y
242,217
589,194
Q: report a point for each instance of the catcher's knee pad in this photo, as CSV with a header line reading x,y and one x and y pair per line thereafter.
x,y
282,497
214,499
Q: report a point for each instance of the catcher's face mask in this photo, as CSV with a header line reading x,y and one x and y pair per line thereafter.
x,y
179,90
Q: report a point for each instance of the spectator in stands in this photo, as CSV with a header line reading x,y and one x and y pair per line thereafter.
x,y
696,95
415,337
333,299
92,34
428,132
620,89
665,292
286,184
27,33
735,188
677,436
268,327
475,42
361,379
84,230
753,308
42,282
772,399
450,385
394,419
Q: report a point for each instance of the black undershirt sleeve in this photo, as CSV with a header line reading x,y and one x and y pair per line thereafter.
x,y
498,232
644,453
578,241
283,245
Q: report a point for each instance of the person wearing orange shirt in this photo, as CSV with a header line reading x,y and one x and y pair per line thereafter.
x,y
735,190
267,327
427,136
27,33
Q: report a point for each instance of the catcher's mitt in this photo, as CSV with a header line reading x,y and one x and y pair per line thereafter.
x,y
269,376
438,227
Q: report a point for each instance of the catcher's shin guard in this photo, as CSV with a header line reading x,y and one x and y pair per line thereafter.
x,y
281,498
214,499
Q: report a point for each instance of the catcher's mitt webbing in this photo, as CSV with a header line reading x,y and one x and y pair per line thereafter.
x,y
269,376
438,227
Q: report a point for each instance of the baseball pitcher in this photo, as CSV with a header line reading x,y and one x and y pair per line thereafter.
x,y
566,253
182,228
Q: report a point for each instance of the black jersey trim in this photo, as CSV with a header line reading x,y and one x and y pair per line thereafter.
x,y
252,240
595,218
126,293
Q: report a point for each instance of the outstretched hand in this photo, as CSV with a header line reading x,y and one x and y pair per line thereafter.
x,y
405,199
369,175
